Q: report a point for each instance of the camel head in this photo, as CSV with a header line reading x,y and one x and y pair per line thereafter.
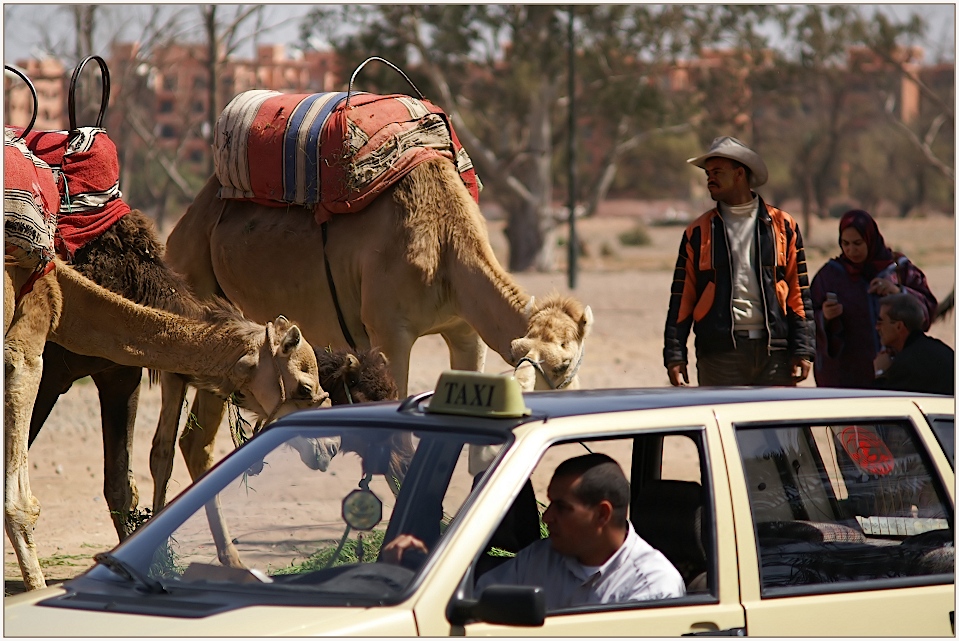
x,y
283,376
350,377
316,453
553,345
356,376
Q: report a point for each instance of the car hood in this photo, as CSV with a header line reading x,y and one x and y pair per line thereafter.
x,y
23,616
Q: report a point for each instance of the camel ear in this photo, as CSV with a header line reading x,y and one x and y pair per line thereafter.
x,y
518,349
528,310
290,341
282,324
352,363
386,361
586,322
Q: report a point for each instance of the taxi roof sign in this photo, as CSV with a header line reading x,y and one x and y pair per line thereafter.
x,y
478,394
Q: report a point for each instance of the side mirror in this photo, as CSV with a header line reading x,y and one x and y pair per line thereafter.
x,y
519,605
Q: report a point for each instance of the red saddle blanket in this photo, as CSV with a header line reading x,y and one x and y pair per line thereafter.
x,y
87,169
310,150
30,205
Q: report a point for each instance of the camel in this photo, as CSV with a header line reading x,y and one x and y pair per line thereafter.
x,y
416,261
127,260
270,369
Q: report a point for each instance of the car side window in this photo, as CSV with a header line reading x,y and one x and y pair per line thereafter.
x,y
944,428
844,504
666,507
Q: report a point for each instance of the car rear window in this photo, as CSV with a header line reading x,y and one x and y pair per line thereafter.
x,y
844,504
945,430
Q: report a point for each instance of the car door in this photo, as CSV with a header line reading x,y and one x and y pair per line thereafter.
x,y
844,518
711,605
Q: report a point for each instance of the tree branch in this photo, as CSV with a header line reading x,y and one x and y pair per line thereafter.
x,y
141,130
924,146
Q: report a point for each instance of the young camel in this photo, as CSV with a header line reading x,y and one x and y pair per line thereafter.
x,y
271,369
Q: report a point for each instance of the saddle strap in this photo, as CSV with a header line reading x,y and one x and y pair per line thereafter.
x,y
336,300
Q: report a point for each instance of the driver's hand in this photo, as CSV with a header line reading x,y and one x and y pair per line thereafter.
x,y
393,551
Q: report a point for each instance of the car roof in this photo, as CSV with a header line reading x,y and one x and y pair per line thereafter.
x,y
559,404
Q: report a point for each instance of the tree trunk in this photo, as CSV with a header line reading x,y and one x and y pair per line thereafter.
x,y
531,231
524,236
209,15
87,107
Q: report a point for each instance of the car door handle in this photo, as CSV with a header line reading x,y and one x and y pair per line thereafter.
x,y
729,632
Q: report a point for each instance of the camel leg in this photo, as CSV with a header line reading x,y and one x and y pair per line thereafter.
x,y
397,349
26,330
172,393
119,390
196,444
467,349
22,371
57,379
198,437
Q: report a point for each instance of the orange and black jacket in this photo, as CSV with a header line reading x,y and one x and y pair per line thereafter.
x,y
701,295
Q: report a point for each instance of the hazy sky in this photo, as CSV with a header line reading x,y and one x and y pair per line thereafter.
x,y
26,28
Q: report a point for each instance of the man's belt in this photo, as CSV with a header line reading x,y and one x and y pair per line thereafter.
x,y
750,333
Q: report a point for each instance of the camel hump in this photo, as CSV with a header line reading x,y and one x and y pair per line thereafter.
x,y
311,151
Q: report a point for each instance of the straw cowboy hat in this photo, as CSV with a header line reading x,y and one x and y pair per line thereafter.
x,y
729,147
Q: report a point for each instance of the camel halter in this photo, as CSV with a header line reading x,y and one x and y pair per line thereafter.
x,y
570,372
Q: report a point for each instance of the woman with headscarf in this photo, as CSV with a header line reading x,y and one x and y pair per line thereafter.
x,y
845,298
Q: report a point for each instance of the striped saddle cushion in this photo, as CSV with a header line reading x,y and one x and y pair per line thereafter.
x,y
86,168
30,205
309,150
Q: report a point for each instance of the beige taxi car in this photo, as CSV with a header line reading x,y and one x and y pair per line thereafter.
x,y
787,512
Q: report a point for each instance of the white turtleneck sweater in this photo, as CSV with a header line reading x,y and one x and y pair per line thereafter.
x,y
740,222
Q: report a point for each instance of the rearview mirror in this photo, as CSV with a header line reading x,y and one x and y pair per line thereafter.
x,y
520,605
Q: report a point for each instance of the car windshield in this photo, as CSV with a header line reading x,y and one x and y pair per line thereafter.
x,y
281,515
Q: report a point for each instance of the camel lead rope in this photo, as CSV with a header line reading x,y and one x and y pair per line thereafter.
x,y
571,372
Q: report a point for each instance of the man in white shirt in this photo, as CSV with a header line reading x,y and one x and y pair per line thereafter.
x,y
592,555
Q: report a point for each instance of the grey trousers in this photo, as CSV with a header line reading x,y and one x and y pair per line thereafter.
x,y
749,364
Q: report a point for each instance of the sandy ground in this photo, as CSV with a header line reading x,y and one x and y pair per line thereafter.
x,y
626,287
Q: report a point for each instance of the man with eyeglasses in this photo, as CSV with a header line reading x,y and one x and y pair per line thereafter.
x,y
911,361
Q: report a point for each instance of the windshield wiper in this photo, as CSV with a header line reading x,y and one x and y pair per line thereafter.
x,y
128,572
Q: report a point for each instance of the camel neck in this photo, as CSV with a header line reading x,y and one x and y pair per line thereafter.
x,y
132,334
491,302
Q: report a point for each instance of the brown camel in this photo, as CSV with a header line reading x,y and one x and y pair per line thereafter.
x,y
127,260
416,261
270,369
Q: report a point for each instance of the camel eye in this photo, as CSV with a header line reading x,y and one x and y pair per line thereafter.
x,y
304,391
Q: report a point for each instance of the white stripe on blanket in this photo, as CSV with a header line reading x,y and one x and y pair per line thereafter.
x,y
230,139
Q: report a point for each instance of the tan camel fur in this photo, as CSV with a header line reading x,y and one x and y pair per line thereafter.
x,y
416,261
270,369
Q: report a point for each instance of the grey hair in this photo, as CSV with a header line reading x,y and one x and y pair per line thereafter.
x,y
906,308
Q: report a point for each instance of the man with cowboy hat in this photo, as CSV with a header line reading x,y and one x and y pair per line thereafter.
x,y
740,282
